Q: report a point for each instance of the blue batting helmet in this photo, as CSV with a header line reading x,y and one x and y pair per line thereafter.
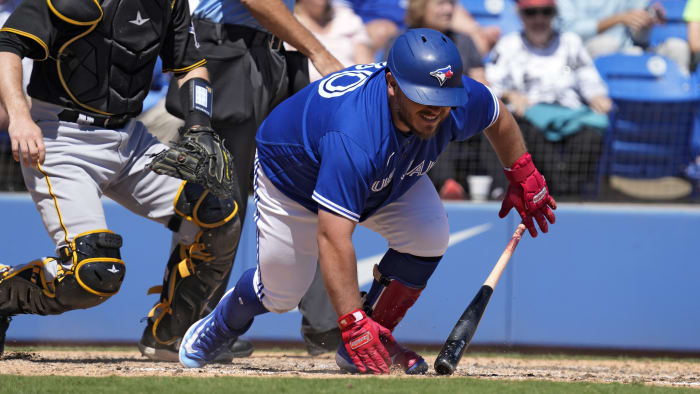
x,y
428,68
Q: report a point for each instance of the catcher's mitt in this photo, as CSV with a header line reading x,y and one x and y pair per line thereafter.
x,y
200,157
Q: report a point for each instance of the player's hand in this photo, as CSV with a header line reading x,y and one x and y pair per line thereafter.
x,y
363,341
529,195
27,142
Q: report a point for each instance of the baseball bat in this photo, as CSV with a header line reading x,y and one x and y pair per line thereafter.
x,y
464,330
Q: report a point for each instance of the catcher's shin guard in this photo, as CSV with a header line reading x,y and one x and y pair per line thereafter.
x,y
196,270
88,272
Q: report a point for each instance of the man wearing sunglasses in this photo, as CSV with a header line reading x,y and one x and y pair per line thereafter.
x,y
543,69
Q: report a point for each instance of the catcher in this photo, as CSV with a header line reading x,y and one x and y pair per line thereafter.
x,y
78,142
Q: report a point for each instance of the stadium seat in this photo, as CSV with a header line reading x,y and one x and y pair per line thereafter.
x,y
660,33
674,9
651,124
675,26
502,13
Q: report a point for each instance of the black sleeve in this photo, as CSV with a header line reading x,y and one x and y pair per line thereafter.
x,y
179,52
29,31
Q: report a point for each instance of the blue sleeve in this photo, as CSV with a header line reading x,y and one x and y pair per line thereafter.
x,y
478,114
342,186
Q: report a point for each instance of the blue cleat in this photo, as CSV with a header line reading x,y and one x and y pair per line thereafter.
x,y
342,358
205,340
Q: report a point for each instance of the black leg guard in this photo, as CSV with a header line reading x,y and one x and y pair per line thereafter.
x,y
195,271
89,271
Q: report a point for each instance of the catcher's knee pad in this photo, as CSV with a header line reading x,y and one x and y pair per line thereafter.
x,y
197,269
87,273
398,281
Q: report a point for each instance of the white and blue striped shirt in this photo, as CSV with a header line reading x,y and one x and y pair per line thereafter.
x,y
230,12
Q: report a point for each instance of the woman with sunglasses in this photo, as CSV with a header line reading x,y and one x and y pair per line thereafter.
x,y
541,67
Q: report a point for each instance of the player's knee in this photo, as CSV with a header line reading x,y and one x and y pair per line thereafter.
x,y
193,202
278,304
429,239
96,273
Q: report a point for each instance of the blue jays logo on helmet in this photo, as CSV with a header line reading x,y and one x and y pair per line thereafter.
x,y
442,74
419,57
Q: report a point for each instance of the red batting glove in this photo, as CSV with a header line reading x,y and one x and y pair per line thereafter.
x,y
529,195
361,336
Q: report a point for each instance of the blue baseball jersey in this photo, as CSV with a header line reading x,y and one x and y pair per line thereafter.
x,y
334,144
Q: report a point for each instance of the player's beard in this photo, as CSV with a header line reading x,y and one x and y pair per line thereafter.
x,y
420,127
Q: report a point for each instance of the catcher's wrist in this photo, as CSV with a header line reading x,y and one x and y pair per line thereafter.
x,y
196,96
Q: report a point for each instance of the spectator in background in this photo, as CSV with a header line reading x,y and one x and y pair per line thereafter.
x,y
383,19
552,87
338,29
691,15
609,26
485,37
437,15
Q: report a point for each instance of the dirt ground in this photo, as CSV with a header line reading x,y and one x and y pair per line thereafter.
x,y
682,373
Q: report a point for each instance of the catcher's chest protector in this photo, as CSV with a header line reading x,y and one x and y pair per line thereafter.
x,y
107,66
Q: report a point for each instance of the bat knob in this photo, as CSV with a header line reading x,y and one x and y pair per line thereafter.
x,y
443,367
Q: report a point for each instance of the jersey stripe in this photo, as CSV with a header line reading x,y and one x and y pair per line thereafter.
x,y
335,207
497,108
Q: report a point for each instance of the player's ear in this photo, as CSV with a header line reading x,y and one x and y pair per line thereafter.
x,y
390,84
390,79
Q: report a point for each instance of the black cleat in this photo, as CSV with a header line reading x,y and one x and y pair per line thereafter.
x,y
4,325
318,343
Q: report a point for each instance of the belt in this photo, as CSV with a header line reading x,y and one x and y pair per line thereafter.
x,y
251,37
108,122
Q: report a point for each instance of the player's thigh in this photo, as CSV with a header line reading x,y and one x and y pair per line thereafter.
x,y
416,223
287,246
139,189
65,192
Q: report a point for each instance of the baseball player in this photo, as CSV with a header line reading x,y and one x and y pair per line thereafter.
x,y
93,67
251,72
352,148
